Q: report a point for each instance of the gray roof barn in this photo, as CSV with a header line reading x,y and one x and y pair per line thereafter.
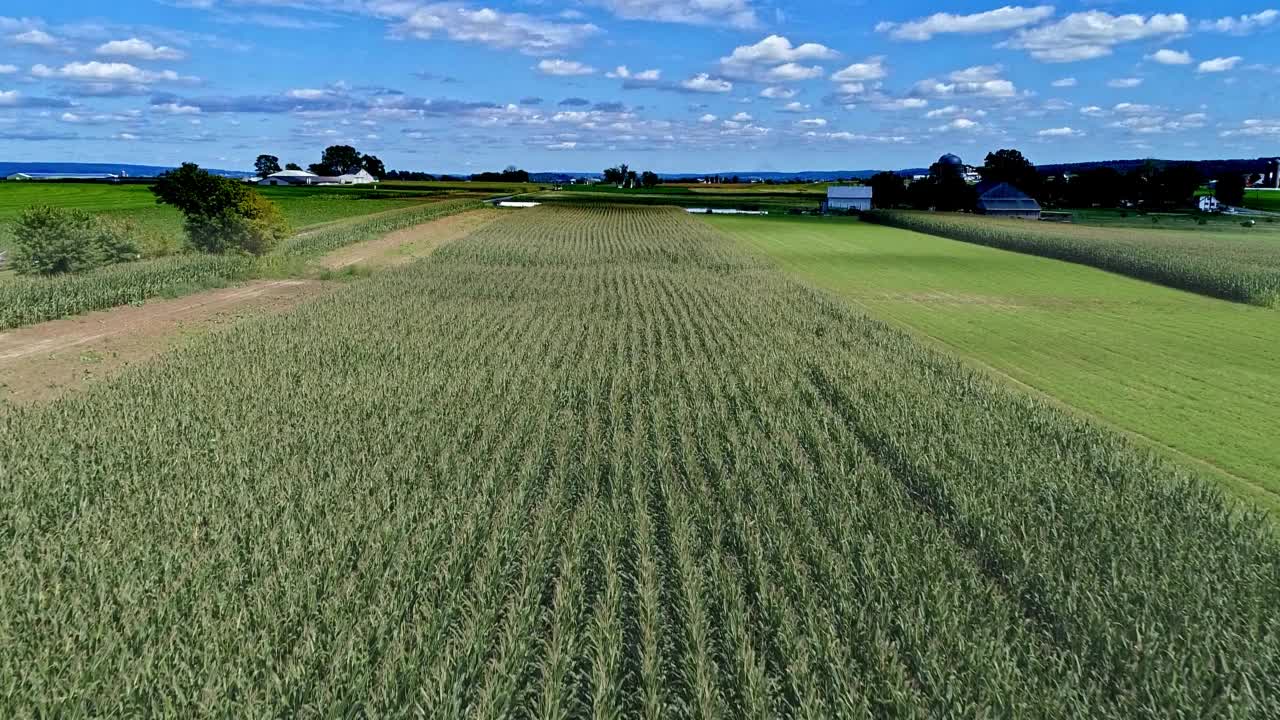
x,y
1005,200
847,197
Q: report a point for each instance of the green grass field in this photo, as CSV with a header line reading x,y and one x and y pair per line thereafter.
x,y
1198,375
1268,200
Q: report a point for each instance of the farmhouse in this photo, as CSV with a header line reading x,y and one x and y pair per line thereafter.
x,y
1209,203
1005,200
302,177
846,197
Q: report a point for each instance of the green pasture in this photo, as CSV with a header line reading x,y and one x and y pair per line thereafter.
x,y
1195,376
1262,200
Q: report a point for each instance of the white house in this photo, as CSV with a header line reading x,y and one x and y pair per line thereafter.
x,y
847,197
1209,203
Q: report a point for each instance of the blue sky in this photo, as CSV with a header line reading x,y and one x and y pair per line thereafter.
x,y
673,85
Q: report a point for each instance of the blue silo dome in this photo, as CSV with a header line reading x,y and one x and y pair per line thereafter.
x,y
950,159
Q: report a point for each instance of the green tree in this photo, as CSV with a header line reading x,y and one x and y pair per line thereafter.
x,y
293,166
649,179
1230,189
338,160
946,188
888,190
266,165
222,215
372,165
50,241
1011,167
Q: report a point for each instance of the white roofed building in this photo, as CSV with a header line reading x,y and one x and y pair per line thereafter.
x,y
848,197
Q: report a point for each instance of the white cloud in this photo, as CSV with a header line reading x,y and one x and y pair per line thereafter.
x,y
777,92
896,104
977,73
36,38
1242,24
8,69
1133,108
734,13
138,50
942,112
1254,128
959,125
980,81
176,108
708,118
1124,83
742,117
704,83
1093,34
813,123
1059,132
870,69
100,72
127,137
564,68
1065,83
1000,19
1170,57
795,107
624,73
775,59
491,28
1093,111
1217,65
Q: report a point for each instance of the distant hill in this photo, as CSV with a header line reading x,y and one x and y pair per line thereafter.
x,y
9,168
1207,168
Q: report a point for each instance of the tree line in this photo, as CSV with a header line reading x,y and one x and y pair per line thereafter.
x,y
1151,185
335,160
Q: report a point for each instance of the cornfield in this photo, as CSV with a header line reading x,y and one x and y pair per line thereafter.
x,y
598,462
1242,270
24,301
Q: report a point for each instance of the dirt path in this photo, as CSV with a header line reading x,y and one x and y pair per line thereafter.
x,y
409,244
44,361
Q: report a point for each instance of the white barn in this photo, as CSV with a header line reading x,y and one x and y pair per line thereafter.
x,y
848,197
1210,204
302,177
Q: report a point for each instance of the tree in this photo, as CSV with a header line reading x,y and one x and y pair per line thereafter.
x,y
50,241
266,165
947,189
1176,185
888,190
222,215
1230,189
1011,167
197,193
649,179
338,160
293,166
372,165
614,176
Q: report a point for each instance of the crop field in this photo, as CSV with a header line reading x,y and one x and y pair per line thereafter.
x,y
1243,269
1214,224
303,207
1197,375
738,197
604,462
27,300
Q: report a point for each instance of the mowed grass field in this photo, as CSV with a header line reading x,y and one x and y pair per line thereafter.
x,y
608,463
1197,375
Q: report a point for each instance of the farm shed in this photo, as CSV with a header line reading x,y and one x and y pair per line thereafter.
x,y
1005,200
847,197
1209,203
302,177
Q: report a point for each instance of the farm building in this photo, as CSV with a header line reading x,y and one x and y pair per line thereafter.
x,y
302,177
846,197
61,176
1005,200
1209,203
